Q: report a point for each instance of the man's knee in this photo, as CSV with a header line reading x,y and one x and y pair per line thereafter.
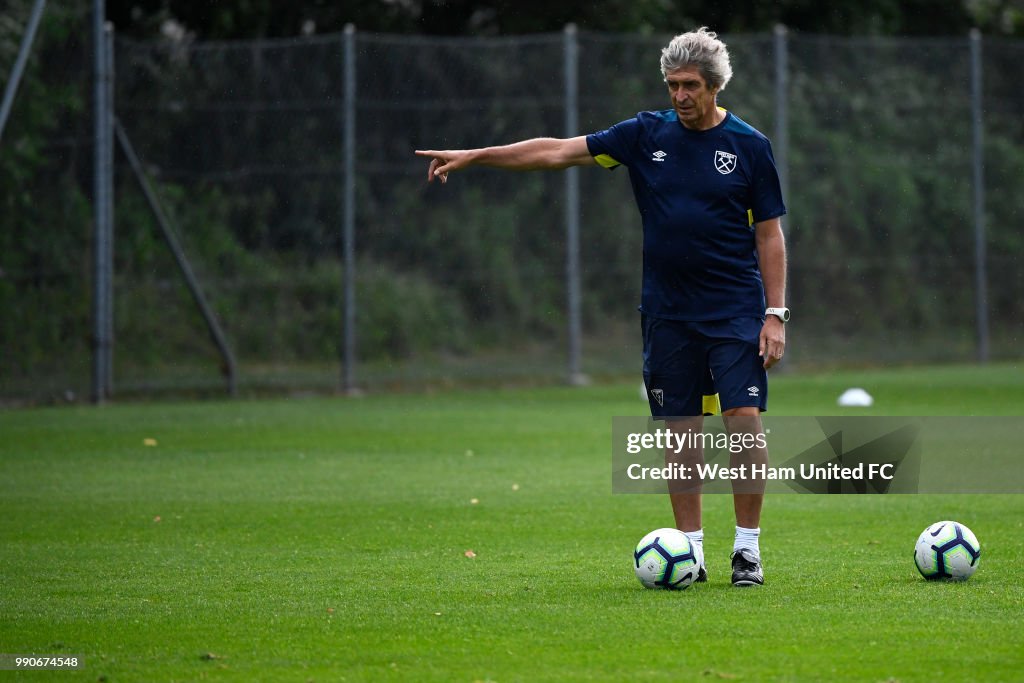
x,y
745,411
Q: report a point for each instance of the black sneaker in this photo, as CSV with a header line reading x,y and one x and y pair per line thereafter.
x,y
702,576
746,569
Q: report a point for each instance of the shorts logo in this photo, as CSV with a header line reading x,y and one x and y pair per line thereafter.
x,y
725,163
753,391
659,396
658,156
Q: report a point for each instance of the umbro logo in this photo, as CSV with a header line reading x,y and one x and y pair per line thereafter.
x,y
753,391
658,156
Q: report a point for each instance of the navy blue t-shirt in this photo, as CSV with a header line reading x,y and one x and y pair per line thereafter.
x,y
699,195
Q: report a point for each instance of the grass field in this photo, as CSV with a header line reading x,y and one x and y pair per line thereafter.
x,y
326,539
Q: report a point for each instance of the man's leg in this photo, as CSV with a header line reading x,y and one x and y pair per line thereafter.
x,y
678,381
686,496
748,497
742,384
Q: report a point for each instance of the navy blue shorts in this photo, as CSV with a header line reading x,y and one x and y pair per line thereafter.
x,y
686,362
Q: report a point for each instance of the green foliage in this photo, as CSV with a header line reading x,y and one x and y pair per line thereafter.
x,y
233,20
400,314
505,268
275,306
44,213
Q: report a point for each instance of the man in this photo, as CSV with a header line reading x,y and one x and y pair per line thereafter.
x,y
714,273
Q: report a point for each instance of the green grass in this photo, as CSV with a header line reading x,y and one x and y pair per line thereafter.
x,y
324,539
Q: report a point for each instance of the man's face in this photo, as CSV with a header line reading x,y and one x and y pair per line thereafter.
x,y
692,100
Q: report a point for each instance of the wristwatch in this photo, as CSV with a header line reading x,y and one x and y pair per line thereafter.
x,y
780,313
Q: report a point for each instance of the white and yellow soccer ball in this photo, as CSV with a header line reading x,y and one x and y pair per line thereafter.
x,y
668,559
947,550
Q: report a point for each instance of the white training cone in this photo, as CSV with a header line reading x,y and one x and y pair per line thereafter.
x,y
856,398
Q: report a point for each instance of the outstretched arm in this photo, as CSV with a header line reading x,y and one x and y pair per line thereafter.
x,y
528,155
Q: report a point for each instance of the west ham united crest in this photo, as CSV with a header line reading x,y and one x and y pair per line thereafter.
x,y
725,163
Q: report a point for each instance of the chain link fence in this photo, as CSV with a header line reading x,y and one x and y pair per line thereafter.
x,y
243,144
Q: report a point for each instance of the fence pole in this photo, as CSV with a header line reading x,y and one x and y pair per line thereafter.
x,y
348,361
108,152
19,63
103,207
781,142
980,256
229,367
575,375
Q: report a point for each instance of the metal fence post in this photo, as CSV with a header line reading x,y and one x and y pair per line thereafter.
x,y
19,64
103,162
575,375
348,360
781,142
229,367
980,259
108,152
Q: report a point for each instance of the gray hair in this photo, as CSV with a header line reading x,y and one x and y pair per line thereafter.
x,y
701,49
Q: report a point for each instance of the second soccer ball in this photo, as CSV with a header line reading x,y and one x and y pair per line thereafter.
x,y
947,550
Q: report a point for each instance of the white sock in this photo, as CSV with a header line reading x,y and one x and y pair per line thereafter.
x,y
746,539
697,538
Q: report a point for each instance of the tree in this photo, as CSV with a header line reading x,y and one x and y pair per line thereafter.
x,y
237,19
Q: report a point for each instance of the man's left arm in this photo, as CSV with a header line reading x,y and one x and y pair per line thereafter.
x,y
771,256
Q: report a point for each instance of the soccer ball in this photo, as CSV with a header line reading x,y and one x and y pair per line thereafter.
x,y
667,558
947,550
